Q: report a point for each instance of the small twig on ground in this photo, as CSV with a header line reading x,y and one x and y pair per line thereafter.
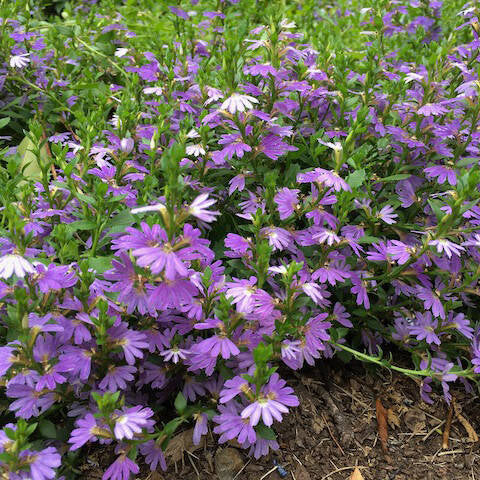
x,y
434,429
472,434
346,392
446,431
242,469
342,424
269,472
450,452
331,434
193,463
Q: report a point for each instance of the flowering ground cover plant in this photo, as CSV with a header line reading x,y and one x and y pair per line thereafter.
x,y
196,194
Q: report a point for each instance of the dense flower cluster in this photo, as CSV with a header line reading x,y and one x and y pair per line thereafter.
x,y
188,213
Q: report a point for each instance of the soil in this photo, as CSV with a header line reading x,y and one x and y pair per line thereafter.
x,y
335,429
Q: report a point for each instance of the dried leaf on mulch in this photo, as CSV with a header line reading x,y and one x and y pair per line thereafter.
x,y
180,443
382,425
356,475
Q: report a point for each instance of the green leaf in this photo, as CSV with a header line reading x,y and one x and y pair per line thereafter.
x,y
172,425
395,178
464,162
356,178
100,264
265,432
47,429
4,122
368,239
29,164
180,403
81,225
120,221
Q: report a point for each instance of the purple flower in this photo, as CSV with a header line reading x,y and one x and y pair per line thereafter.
x,y
7,359
271,403
175,354
131,287
329,178
431,300
317,293
286,200
131,342
232,388
326,236
242,293
29,403
153,250
442,173
278,238
460,323
432,109
273,147
131,420
400,252
121,469
262,446
231,425
341,315
86,431
154,455
54,277
43,324
238,245
217,345
117,378
424,328
386,214
43,463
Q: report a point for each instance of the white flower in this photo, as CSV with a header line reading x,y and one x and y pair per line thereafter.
x,y
14,264
336,147
238,103
19,61
413,76
158,207
287,24
156,90
120,52
195,150
193,134
115,121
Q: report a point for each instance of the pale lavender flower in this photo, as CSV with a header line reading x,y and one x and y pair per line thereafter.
x,y
174,354
242,293
444,245
327,236
131,420
199,206
386,214
201,427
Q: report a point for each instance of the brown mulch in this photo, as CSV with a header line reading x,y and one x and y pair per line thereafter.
x,y
335,429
